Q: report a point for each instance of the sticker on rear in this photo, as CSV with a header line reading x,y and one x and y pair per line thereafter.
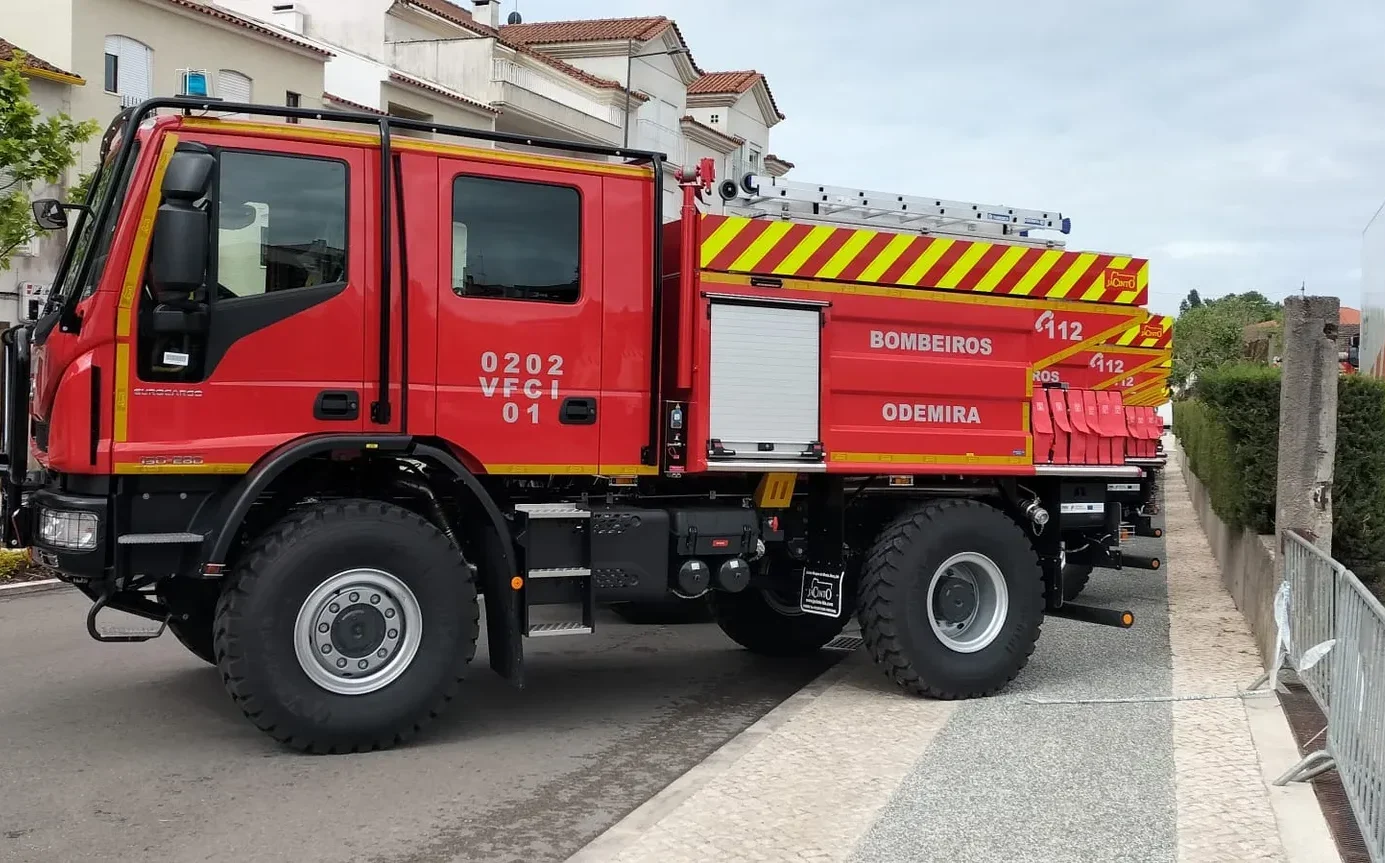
x,y
821,593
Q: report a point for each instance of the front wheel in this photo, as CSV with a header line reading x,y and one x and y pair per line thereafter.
x,y
951,599
347,627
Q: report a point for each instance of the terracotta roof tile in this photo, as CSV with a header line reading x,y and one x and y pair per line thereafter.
x,y
770,157
462,18
231,18
401,78
591,30
597,30
355,106
7,50
732,84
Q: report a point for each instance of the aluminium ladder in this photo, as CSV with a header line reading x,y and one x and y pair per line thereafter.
x,y
761,197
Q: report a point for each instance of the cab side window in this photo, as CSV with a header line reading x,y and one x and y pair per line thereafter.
x,y
516,240
281,223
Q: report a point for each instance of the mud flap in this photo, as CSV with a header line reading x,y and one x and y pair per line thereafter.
x,y
823,586
820,592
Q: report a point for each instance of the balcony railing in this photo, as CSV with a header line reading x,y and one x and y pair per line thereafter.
x,y
553,87
652,136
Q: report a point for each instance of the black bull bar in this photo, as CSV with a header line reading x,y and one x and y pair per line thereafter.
x,y
14,441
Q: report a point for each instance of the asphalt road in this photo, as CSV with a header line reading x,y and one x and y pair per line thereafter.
x,y
135,752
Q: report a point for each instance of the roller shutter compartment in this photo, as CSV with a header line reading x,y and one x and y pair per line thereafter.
x,y
765,381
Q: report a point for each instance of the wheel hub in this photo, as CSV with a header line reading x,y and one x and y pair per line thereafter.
x,y
358,631
956,599
968,602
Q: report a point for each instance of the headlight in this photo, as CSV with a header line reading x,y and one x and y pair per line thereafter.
x,y
71,530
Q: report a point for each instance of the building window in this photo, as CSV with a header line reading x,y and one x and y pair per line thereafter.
x,y
754,160
232,86
129,70
112,73
292,100
282,223
515,240
716,118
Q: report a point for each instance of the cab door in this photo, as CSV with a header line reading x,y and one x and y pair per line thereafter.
x,y
283,354
519,316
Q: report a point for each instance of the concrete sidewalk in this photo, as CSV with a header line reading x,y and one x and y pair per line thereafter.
x,y
1112,746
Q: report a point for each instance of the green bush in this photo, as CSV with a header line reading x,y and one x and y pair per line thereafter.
x,y
13,563
1230,432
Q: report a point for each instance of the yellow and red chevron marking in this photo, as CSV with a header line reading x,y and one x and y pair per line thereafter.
x,y
1157,332
733,244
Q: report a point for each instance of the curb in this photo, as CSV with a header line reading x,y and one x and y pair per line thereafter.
x,y
612,841
28,588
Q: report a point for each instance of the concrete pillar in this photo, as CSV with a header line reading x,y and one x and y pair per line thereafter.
x,y
1308,418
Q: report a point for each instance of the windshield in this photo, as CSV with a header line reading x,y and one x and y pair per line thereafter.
x,y
84,238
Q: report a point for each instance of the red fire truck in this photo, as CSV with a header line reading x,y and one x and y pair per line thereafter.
x,y
309,395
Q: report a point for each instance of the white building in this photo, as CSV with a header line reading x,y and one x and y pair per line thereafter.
x,y
619,81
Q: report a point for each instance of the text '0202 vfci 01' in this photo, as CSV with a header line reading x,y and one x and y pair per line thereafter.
x,y
308,397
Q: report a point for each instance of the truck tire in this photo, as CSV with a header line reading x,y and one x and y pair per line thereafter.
x,y
951,599
771,625
1075,578
318,598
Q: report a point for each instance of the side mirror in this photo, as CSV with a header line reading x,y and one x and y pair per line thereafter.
x,y
178,253
49,214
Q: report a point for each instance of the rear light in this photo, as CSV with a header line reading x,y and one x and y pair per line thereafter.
x,y
75,531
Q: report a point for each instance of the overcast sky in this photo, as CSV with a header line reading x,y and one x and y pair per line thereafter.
x,y
1238,144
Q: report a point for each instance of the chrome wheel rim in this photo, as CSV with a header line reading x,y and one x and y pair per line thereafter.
x,y
358,631
968,601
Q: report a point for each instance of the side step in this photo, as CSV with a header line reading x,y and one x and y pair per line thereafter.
x,y
125,636
557,570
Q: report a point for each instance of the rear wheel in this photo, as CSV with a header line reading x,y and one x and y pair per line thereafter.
x,y
768,621
1075,578
347,627
951,599
767,624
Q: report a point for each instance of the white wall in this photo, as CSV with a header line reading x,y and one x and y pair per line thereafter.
x,y
42,28
358,25
180,39
463,65
356,78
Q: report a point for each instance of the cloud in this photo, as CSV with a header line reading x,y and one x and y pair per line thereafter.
x,y
1185,249
1236,143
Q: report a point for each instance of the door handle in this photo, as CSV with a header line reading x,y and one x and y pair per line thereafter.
x,y
577,411
337,405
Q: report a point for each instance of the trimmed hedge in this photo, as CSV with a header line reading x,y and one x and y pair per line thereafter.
x,y
1230,433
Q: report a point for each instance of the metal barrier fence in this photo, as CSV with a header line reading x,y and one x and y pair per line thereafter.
x,y
1332,631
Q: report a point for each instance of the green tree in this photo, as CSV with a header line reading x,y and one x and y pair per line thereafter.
x,y
1191,301
1212,332
33,149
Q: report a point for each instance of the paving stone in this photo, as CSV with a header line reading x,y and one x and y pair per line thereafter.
x,y
1223,803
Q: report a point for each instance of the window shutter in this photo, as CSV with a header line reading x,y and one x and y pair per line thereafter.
x,y
136,71
233,86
